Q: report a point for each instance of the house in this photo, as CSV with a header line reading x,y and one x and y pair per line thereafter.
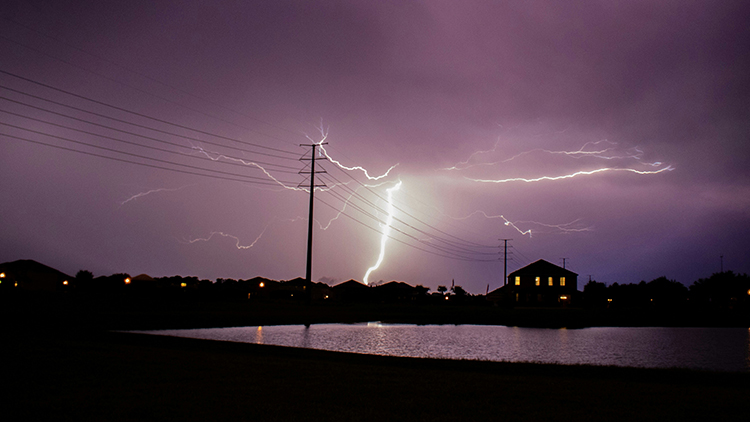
x,y
29,275
395,291
352,291
540,283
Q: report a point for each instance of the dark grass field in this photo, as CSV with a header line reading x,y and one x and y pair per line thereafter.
x,y
122,376
61,361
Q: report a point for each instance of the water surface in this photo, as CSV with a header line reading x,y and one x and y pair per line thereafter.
x,y
719,349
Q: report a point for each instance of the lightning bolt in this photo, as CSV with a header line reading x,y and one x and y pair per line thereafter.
x,y
465,164
142,194
571,175
386,231
608,153
565,227
215,156
324,136
237,239
490,217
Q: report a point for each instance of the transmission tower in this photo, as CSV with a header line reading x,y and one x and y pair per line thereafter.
x,y
312,173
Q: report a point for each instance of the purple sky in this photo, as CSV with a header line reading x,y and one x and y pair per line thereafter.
x,y
649,99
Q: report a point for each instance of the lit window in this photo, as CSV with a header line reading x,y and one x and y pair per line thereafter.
x,y
562,281
518,281
549,280
538,280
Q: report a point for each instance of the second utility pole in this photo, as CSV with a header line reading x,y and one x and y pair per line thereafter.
x,y
505,262
308,272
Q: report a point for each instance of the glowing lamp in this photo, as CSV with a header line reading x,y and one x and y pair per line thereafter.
x,y
2,275
262,284
748,292
609,300
446,297
563,297
127,280
183,284
65,283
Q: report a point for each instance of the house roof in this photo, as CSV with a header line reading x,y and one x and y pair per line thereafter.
x,y
29,269
395,285
542,268
350,285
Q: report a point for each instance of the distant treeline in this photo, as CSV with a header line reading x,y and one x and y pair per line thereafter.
x,y
258,288
725,290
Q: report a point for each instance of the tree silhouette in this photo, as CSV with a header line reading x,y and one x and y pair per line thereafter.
x,y
442,289
459,291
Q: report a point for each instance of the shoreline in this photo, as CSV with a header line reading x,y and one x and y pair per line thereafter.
x,y
115,313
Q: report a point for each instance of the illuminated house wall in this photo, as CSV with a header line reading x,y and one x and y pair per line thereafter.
x,y
541,283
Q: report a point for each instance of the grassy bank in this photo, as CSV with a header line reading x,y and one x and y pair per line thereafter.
x,y
59,375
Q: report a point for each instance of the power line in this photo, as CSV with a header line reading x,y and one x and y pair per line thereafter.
x,y
144,91
119,152
119,121
263,182
453,253
135,143
466,242
401,241
142,115
456,248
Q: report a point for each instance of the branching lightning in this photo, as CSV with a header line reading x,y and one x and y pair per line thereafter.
x,y
490,217
237,239
324,136
142,194
386,231
609,152
465,164
215,156
571,175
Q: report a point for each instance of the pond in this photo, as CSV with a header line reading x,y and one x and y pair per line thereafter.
x,y
716,349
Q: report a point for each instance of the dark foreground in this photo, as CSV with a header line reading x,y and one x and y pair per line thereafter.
x,y
95,375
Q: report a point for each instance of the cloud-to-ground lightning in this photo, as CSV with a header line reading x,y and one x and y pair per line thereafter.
x,y
386,232
142,194
571,175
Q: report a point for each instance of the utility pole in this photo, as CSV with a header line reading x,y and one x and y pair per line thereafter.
x,y
312,172
505,261
564,259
